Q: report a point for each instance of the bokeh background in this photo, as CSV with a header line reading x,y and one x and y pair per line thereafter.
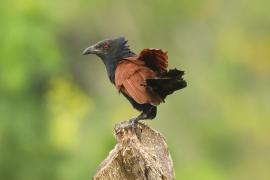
x,y
58,109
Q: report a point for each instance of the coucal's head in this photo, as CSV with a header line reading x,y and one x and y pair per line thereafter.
x,y
111,51
108,48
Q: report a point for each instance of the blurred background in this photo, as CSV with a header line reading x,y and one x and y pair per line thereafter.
x,y
58,108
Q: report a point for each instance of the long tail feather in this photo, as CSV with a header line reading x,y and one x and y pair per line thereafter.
x,y
167,83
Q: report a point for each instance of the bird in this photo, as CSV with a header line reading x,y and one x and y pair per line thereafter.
x,y
143,79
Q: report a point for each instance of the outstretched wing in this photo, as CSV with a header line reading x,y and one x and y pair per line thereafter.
x,y
130,78
156,59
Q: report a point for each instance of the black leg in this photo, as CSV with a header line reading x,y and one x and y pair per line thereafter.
x,y
149,113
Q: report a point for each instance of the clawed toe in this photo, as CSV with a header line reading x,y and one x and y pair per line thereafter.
x,y
134,121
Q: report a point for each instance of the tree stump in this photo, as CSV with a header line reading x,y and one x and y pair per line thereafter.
x,y
140,154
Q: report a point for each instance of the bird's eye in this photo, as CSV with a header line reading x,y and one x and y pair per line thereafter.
x,y
105,45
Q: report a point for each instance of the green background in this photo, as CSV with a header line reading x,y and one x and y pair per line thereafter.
x,y
58,108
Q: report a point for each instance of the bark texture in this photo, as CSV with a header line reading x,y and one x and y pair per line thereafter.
x,y
140,154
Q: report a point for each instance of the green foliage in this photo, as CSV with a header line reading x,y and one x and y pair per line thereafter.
x,y
57,107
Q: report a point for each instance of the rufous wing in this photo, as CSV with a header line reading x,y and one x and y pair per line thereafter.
x,y
156,59
130,78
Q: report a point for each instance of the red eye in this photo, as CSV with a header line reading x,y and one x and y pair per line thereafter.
x,y
105,46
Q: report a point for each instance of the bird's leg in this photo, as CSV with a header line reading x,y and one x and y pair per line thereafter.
x,y
148,114
135,120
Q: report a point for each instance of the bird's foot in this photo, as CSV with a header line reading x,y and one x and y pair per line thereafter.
x,y
133,122
135,127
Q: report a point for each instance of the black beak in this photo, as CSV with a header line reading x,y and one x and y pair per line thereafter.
x,y
90,50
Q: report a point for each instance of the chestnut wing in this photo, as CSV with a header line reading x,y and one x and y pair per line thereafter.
x,y
155,59
130,78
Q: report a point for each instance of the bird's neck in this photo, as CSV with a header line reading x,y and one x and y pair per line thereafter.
x,y
112,61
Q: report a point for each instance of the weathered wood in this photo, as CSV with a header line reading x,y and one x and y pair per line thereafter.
x,y
140,154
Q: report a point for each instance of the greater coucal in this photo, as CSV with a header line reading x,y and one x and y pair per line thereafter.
x,y
143,79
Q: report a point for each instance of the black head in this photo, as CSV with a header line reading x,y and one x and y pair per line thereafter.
x,y
109,48
111,51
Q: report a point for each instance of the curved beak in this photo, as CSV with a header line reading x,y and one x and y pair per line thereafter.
x,y
90,50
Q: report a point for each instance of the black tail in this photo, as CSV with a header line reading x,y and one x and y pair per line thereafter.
x,y
167,83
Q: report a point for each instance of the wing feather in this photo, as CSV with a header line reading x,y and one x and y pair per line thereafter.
x,y
156,59
130,78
